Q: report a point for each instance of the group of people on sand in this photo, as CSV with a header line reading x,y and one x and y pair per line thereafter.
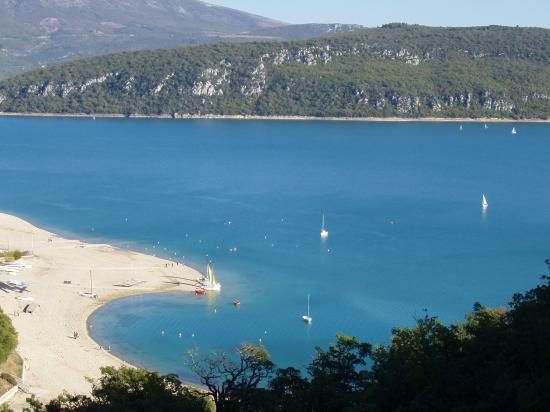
x,y
167,265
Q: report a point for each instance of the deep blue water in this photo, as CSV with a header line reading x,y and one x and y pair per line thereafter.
x,y
138,182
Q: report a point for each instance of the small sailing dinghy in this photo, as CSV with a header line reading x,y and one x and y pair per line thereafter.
x,y
486,127
307,318
484,203
514,131
324,231
210,283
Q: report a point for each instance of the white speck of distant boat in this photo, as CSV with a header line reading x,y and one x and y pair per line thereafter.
x,y
484,203
461,128
324,231
486,127
307,318
514,131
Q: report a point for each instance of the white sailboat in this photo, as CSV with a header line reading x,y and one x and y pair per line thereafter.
x,y
461,128
484,203
324,231
486,127
210,282
514,131
307,318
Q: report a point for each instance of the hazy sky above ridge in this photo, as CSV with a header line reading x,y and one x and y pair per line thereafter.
x,y
374,13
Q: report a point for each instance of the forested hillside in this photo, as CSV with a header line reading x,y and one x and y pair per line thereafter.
x,y
396,70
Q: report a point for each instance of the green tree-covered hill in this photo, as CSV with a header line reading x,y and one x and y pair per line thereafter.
x,y
396,70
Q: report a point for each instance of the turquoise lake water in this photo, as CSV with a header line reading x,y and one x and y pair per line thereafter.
x,y
135,183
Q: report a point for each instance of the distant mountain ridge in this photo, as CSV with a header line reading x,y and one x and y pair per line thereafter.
x,y
396,70
43,32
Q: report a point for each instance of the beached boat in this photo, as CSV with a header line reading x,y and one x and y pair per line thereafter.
x,y
9,270
200,292
307,318
484,203
210,283
324,231
131,283
18,284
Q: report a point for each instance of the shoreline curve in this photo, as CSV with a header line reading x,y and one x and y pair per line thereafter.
x,y
55,360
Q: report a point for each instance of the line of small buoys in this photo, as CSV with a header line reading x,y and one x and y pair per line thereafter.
x,y
180,335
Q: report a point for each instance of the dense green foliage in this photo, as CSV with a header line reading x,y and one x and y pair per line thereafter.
x,y
8,337
133,390
397,70
497,360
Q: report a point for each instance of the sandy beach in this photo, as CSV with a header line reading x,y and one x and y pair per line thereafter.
x,y
429,119
54,359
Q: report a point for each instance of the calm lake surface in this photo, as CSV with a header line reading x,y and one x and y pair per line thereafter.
x,y
402,201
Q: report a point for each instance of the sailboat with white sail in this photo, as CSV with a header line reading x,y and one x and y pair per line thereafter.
x,y
210,283
307,318
484,203
514,131
324,230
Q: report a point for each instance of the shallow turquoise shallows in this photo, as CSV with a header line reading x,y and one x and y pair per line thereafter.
x,y
402,203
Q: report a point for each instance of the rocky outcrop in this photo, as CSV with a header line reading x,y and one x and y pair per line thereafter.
x,y
380,103
435,105
158,88
48,90
402,54
129,84
212,80
256,83
405,104
362,97
313,55
459,100
66,89
94,80
496,103
281,57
